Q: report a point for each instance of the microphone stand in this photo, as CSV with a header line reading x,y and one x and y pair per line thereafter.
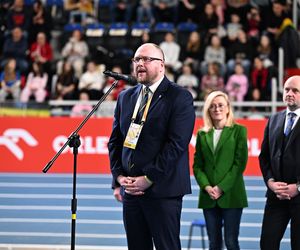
x,y
74,142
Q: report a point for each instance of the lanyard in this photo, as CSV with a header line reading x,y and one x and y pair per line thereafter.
x,y
145,111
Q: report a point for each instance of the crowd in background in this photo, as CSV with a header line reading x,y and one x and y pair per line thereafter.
x,y
233,49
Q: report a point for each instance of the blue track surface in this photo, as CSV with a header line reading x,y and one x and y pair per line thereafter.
x,y
35,209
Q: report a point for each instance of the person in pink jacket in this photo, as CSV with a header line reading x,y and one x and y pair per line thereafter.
x,y
237,84
36,84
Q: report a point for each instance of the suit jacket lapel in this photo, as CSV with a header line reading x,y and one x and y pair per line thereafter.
x,y
226,133
209,140
276,132
159,93
135,95
294,133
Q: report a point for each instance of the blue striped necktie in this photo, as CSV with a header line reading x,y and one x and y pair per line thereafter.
x,y
290,122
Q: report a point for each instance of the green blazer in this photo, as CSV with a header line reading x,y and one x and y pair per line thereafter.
x,y
223,167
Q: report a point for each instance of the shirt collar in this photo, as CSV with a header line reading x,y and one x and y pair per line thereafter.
x,y
154,86
297,111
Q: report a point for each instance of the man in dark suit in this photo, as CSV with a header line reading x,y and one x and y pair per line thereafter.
x,y
280,165
149,155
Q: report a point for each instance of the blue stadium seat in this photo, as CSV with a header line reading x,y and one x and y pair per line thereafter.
x,y
29,2
117,36
94,34
73,26
160,30
103,10
183,32
137,29
59,3
164,27
202,225
187,27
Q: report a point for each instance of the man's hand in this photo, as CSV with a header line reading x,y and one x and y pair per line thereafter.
x,y
281,189
117,194
136,185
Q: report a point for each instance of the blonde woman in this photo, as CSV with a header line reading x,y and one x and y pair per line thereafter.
x,y
219,162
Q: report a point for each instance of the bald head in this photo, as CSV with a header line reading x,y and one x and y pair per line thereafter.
x,y
148,66
154,48
291,92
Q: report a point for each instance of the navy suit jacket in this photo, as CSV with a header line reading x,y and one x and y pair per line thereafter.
x,y
162,150
272,151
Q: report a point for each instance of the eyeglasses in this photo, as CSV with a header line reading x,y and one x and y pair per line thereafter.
x,y
145,59
217,106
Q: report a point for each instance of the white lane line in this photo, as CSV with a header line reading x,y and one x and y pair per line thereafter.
x,y
94,221
57,247
108,236
104,209
52,185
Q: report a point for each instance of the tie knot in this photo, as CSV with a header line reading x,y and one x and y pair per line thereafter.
x,y
291,115
146,90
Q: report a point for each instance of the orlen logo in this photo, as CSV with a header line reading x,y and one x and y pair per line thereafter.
x,y
89,145
12,136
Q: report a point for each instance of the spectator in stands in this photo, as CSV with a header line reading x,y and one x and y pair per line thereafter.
x,y
259,79
219,162
144,12
66,85
18,16
10,80
121,10
192,52
255,112
171,50
254,23
212,80
15,46
93,81
82,108
35,85
41,52
208,22
240,7
265,51
120,86
166,10
241,51
5,5
188,10
288,39
219,7
275,18
237,84
233,27
41,21
188,80
75,51
214,52
80,11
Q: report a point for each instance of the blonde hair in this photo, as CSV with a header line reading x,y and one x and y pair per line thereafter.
x,y
208,123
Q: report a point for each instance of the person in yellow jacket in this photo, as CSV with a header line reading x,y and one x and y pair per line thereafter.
x,y
219,162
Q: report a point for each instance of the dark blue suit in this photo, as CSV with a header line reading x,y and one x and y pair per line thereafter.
x,y
279,159
161,154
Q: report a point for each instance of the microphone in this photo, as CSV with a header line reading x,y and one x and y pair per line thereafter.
x,y
128,78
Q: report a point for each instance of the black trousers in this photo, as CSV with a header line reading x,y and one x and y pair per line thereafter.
x,y
149,220
277,215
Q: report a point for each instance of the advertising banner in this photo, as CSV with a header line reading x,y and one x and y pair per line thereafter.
x,y
28,144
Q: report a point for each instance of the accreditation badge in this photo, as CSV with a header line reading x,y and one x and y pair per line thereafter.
x,y
133,135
